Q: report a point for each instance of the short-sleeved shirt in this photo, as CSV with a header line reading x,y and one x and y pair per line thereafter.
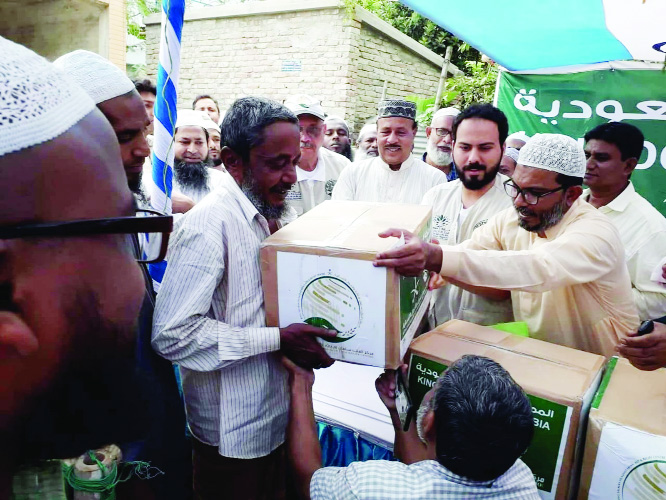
x,y
384,480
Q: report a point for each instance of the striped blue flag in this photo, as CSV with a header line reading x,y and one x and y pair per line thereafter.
x,y
173,13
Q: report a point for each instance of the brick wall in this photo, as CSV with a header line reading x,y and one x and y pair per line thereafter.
x,y
230,53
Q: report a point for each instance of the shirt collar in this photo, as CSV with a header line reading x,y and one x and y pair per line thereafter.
x,y
405,165
455,478
318,174
621,201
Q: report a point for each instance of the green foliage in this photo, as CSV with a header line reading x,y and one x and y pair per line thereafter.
x,y
419,28
461,91
136,11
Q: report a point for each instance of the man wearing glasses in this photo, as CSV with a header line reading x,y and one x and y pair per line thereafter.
x,y
561,259
70,287
461,207
439,150
319,168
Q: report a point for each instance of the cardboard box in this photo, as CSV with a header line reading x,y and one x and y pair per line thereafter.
x,y
560,382
625,448
318,270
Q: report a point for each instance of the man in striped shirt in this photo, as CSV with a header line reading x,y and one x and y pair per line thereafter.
x,y
210,317
471,430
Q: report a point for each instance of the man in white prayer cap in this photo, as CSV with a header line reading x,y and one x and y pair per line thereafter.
x,y
116,97
439,150
70,284
193,172
562,260
366,144
509,161
517,140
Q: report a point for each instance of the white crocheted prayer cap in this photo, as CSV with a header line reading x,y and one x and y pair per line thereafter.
x,y
37,102
555,152
193,118
519,136
99,77
512,153
446,112
209,124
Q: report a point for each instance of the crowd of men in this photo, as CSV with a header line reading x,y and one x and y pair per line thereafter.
x,y
88,347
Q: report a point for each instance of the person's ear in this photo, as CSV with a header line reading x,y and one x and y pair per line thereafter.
x,y
428,426
630,165
572,194
233,162
428,130
16,338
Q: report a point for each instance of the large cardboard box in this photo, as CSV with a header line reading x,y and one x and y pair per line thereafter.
x,y
560,382
625,449
318,270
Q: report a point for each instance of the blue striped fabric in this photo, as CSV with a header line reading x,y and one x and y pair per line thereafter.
x,y
173,12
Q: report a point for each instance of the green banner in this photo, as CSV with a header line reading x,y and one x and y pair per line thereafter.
x,y
574,103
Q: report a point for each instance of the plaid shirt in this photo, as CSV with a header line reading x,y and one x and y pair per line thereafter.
x,y
384,480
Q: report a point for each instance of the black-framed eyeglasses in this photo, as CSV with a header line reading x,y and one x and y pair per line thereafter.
x,y
151,228
443,132
530,197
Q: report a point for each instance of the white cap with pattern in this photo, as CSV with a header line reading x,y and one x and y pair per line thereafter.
x,y
555,152
193,118
98,76
37,102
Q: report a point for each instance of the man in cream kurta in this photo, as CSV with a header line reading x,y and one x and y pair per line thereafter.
x,y
450,228
561,259
395,176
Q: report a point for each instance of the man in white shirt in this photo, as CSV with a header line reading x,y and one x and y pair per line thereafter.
x,y
319,168
193,174
210,317
470,432
439,149
336,136
612,151
460,207
395,176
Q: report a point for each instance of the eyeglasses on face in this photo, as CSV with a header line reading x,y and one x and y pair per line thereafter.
x,y
151,228
443,132
312,130
530,197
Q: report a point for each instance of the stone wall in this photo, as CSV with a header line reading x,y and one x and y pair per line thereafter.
x,y
276,49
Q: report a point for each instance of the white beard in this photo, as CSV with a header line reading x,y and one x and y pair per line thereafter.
x,y
439,158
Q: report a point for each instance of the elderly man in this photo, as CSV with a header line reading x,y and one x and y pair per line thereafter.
x,y
561,259
336,136
612,152
165,446
396,176
366,144
71,287
462,206
210,311
193,174
318,169
471,430
439,150
209,105
121,104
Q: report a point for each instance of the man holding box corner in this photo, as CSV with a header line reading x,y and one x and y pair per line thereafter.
x,y
462,445
210,317
562,260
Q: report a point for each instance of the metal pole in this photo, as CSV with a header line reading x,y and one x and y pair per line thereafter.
x,y
442,76
384,90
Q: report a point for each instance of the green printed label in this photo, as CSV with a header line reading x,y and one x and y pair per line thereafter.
x,y
413,291
551,424
423,373
551,428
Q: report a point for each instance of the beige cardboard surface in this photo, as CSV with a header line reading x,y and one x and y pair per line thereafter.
x,y
347,230
632,398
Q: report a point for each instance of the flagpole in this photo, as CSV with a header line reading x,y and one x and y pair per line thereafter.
x,y
166,101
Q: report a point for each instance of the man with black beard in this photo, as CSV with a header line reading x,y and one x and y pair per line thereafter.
x,y
193,173
210,315
70,286
336,136
561,259
461,206
471,430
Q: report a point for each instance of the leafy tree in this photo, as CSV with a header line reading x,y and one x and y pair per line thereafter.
x,y
419,28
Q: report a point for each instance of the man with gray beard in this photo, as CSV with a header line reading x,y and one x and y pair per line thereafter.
x,y
210,316
471,430
366,143
562,260
439,150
